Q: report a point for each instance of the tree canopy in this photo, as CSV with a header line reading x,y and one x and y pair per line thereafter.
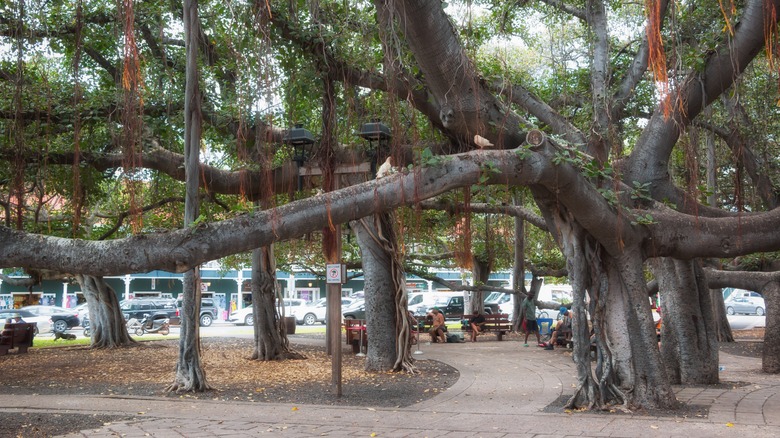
x,y
643,133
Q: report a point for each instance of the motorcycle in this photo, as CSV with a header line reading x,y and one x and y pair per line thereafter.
x,y
159,323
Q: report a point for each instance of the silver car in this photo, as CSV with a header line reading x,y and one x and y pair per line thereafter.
x,y
44,324
749,306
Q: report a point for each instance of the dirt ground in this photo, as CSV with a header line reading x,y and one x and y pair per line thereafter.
x,y
146,369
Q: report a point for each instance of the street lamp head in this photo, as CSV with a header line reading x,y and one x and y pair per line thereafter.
x,y
300,138
375,130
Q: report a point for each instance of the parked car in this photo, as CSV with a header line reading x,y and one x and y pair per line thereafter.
x,y
138,307
742,293
242,316
452,307
208,311
291,305
355,312
419,303
61,319
750,306
316,312
43,323
245,316
83,311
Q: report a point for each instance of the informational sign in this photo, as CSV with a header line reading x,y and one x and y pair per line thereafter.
x,y
333,273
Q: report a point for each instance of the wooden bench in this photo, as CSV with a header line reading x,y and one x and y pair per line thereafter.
x,y
17,336
498,323
354,328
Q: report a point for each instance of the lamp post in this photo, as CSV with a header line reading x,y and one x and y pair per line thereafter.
x,y
374,131
300,139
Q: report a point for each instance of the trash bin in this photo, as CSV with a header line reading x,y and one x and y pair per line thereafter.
x,y
289,323
545,325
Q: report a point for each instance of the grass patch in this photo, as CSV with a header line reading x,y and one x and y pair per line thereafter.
x,y
49,342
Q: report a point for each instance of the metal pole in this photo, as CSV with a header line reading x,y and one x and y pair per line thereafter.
x,y
362,328
418,351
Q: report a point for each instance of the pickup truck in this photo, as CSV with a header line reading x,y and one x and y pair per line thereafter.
x,y
452,307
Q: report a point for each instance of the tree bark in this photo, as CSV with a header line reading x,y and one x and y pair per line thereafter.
x,y
771,357
107,324
270,331
721,320
387,325
480,272
518,267
689,343
190,375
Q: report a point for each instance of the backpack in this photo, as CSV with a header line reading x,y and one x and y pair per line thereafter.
x,y
455,337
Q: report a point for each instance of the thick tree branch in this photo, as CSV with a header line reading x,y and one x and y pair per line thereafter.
x,y
674,234
567,8
509,210
468,107
539,109
598,143
634,73
649,161
749,280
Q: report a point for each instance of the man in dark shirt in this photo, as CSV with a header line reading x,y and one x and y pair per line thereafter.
x,y
476,322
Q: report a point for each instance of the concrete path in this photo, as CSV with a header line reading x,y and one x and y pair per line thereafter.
x,y
502,391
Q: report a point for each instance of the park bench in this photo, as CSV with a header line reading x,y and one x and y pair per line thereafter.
x,y
355,328
498,323
17,336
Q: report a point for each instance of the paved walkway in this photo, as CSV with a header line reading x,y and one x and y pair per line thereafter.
x,y
502,391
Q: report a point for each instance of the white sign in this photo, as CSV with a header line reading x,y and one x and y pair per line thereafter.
x,y
333,273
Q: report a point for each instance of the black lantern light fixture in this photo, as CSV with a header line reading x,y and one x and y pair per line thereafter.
x,y
374,131
300,139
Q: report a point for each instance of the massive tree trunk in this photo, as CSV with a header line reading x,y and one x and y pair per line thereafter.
x,y
107,324
387,325
771,357
271,341
689,344
629,371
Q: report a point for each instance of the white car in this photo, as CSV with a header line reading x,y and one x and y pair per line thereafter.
x,y
315,313
43,323
83,310
245,316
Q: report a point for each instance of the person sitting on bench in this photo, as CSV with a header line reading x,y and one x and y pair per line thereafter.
x,y
438,327
476,322
562,329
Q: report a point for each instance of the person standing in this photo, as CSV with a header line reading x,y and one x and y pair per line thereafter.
x,y
528,323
